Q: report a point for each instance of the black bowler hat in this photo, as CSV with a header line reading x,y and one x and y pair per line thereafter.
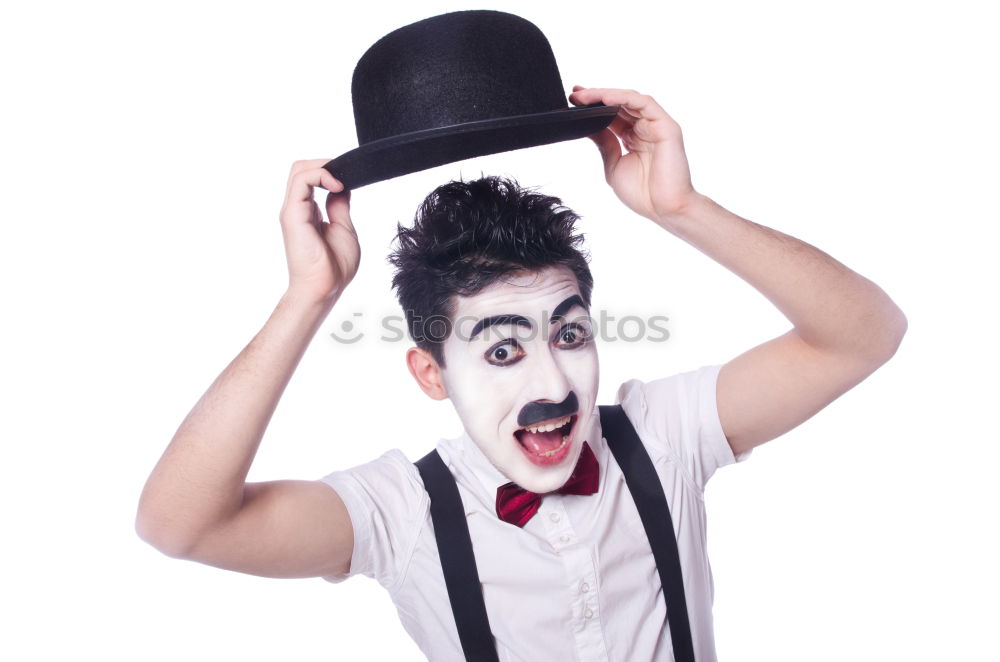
x,y
453,87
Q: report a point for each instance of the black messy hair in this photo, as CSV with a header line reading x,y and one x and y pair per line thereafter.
x,y
467,236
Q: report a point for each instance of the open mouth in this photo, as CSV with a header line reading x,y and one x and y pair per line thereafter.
x,y
547,442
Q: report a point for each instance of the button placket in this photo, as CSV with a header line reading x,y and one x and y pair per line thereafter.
x,y
588,631
579,565
588,594
558,528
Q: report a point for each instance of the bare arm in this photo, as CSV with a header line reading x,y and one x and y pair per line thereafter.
x,y
196,503
844,326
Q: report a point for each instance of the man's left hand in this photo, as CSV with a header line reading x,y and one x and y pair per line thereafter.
x,y
652,177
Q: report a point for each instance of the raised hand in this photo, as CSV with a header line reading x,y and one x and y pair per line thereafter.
x,y
652,176
323,256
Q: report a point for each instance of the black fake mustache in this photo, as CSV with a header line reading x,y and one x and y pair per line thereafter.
x,y
536,412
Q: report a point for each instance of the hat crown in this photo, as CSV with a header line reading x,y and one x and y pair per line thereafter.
x,y
452,69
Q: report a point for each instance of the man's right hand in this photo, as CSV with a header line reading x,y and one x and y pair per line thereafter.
x,y
323,256
197,504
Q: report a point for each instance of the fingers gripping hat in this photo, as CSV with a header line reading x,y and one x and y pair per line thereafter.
x,y
453,87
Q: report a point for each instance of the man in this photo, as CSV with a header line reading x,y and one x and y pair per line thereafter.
x,y
574,580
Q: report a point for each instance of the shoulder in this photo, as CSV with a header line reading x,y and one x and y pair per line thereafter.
x,y
388,482
387,504
391,465
679,414
687,397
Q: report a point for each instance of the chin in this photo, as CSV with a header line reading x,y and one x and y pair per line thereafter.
x,y
542,479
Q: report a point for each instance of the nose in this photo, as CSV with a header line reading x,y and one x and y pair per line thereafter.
x,y
549,382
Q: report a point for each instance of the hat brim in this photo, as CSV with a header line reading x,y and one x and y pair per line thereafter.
x,y
419,150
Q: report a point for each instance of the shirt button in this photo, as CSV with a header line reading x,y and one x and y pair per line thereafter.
x,y
585,587
554,517
588,613
564,538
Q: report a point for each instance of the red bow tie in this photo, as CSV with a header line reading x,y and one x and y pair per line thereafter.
x,y
517,505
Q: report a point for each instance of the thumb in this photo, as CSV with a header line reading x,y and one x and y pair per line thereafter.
x,y
338,209
341,236
610,148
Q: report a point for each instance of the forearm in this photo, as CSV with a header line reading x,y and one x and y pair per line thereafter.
x,y
831,307
198,482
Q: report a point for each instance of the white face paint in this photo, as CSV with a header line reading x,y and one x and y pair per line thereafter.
x,y
491,377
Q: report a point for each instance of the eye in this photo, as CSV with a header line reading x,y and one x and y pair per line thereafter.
x,y
505,352
572,335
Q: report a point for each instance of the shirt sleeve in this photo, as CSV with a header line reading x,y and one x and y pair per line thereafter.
x,y
680,412
387,504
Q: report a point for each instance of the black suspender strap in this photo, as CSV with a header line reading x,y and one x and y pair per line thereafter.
x,y
457,560
459,563
647,492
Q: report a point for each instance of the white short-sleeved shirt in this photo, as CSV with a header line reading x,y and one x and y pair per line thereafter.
x,y
578,582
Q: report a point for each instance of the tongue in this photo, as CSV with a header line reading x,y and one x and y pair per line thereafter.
x,y
541,442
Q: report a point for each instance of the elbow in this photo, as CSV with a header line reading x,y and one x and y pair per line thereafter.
x,y
171,546
900,327
885,335
873,339
158,531
895,330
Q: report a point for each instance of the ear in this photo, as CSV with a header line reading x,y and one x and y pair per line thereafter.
x,y
426,371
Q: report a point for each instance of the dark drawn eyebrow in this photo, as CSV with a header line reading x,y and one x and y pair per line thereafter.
x,y
566,305
487,322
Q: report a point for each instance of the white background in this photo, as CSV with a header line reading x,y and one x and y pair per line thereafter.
x,y
145,148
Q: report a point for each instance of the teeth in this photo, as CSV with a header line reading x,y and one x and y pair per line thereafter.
x,y
549,426
557,449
